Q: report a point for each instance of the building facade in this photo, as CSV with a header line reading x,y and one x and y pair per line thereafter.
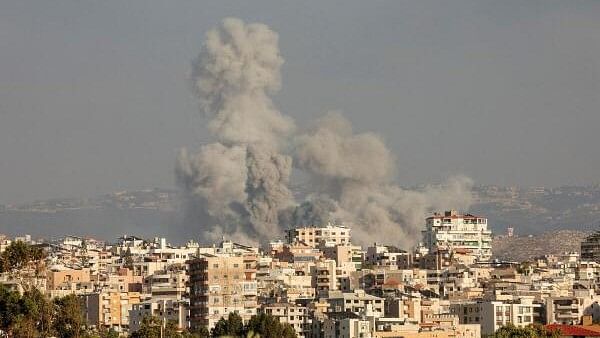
x,y
220,285
590,248
455,231
330,235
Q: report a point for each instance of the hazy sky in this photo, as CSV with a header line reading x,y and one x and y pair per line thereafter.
x,y
93,94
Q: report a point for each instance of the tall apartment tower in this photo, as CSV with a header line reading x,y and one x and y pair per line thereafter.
x,y
455,231
221,284
590,248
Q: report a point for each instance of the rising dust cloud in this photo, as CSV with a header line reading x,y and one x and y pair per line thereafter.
x,y
239,186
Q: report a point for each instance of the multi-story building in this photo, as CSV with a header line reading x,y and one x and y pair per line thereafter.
x,y
345,255
221,284
329,235
571,309
590,248
166,310
324,277
455,231
347,327
383,255
358,302
65,278
492,315
109,309
167,284
295,315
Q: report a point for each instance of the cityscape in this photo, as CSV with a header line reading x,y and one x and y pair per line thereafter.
x,y
315,281
269,169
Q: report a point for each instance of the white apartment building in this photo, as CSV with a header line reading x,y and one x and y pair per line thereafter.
x,y
328,236
358,302
492,315
455,231
347,328
570,310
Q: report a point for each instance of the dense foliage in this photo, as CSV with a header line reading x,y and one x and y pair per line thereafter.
x,y
34,315
531,331
259,326
19,255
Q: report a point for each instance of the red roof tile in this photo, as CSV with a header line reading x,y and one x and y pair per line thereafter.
x,y
572,330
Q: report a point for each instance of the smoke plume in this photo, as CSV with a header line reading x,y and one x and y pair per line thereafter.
x,y
239,185
356,170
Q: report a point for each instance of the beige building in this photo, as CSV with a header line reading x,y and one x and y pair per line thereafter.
x,y
492,315
167,284
66,279
324,277
165,309
358,302
571,309
345,255
347,328
330,235
220,285
110,309
295,315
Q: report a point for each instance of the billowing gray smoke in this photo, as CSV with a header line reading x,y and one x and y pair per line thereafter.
x,y
235,187
238,186
356,171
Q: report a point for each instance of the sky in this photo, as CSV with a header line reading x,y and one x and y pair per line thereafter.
x,y
94,95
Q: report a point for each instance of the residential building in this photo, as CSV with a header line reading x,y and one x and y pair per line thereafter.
x,y
455,231
221,284
295,315
329,235
590,248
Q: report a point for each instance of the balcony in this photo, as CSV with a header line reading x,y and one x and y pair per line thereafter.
x,y
566,306
567,315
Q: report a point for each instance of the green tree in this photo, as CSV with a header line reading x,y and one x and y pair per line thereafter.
x,y
111,334
531,331
149,328
69,321
233,326
103,332
268,326
29,315
10,308
39,309
128,259
202,332
171,330
25,327
84,254
18,256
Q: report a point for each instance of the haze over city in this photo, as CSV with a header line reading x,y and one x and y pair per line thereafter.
x,y
336,169
95,98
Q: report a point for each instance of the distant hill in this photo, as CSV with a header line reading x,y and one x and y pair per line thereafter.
x,y
538,209
528,247
530,210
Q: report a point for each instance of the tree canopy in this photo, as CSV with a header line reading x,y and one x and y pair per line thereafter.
x,y
35,315
531,331
262,325
19,255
